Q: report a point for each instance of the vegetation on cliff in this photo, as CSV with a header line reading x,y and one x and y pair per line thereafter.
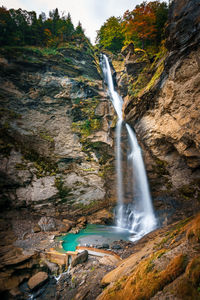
x,y
144,26
20,27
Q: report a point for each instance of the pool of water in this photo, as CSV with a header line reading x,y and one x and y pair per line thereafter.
x,y
94,235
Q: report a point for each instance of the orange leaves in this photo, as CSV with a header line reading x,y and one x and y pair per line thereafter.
x,y
141,22
47,33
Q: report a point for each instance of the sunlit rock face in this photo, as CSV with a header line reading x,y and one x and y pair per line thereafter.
x,y
56,140
166,115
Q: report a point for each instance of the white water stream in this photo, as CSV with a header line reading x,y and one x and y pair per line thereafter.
x,y
138,216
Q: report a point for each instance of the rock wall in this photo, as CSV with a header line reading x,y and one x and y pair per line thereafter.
x,y
165,113
56,136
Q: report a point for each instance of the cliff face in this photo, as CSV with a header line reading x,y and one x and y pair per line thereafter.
x,y
165,114
55,138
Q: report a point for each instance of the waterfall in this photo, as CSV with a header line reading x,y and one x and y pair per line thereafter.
x,y
138,215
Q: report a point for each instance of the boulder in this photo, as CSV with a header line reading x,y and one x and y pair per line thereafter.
x,y
105,246
81,258
82,220
37,280
65,228
47,224
101,217
69,222
116,247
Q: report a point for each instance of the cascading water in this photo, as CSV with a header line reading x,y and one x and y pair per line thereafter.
x,y
138,217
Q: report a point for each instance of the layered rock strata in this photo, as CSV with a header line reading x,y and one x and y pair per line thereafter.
x,y
56,141
165,111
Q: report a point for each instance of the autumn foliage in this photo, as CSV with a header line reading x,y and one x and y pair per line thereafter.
x,y
144,25
140,23
20,27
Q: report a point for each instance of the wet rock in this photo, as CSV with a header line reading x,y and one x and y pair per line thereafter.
x,y
37,280
81,258
53,267
165,119
47,224
116,247
105,246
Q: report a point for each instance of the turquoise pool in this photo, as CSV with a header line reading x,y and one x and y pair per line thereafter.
x,y
94,235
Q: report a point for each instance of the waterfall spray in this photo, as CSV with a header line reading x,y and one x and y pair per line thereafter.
x,y
138,217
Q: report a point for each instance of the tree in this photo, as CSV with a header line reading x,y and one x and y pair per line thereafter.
x,y
110,35
145,24
68,28
161,12
20,27
6,26
55,18
140,23
79,29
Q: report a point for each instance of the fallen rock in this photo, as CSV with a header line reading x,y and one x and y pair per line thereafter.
x,y
82,257
69,222
101,217
53,267
37,280
65,228
82,220
47,224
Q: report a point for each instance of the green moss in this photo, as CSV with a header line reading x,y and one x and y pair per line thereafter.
x,y
170,235
86,207
10,114
187,190
86,127
6,125
43,165
89,170
160,167
68,60
106,170
64,191
21,166
150,266
5,148
135,87
45,136
85,120
77,101
155,77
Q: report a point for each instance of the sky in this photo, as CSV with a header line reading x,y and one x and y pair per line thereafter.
x,y
91,13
